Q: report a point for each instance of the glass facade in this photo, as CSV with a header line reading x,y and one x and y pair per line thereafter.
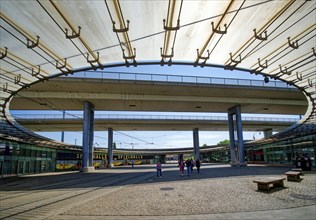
x,y
18,158
284,151
217,155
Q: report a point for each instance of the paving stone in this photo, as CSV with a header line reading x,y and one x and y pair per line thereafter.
x,y
219,192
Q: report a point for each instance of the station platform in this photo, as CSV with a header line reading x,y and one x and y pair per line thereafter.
x,y
217,192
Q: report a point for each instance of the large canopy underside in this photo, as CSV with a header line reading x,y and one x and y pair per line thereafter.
x,y
45,39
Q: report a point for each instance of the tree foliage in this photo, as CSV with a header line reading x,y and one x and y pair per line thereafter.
x,y
224,142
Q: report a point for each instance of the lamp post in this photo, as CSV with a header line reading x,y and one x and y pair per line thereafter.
x,y
133,145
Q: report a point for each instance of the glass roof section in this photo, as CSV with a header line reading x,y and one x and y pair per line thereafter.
x,y
44,39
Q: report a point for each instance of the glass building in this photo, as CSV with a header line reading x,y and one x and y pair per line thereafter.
x,y
18,158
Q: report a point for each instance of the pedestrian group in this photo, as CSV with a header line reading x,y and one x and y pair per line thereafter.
x,y
189,163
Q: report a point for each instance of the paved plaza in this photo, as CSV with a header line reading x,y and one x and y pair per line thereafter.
x,y
217,192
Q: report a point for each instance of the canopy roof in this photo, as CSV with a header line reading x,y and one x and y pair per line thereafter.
x,y
45,39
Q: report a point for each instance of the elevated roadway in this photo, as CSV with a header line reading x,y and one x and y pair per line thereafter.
x,y
49,122
69,93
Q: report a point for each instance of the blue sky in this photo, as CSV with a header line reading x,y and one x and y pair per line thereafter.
x,y
161,139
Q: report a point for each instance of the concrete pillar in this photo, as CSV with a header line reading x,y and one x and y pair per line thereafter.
x,y
62,136
110,147
91,131
267,133
63,132
196,144
232,140
236,136
87,139
241,149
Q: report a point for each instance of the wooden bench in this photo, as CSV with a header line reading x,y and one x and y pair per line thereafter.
x,y
264,183
293,175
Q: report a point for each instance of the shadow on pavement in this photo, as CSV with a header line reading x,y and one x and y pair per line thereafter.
x,y
99,178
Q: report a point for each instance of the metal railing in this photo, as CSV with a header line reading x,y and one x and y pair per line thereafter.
x,y
146,117
178,79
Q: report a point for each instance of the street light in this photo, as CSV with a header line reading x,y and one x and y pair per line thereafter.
x,y
133,145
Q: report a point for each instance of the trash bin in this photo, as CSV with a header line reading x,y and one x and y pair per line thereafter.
x,y
303,163
307,164
298,162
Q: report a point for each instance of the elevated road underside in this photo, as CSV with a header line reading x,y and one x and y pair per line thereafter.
x,y
126,95
148,125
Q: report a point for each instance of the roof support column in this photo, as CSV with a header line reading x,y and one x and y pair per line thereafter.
x,y
87,147
110,147
236,137
91,132
63,132
196,144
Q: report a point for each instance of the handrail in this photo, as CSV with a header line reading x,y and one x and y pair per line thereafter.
x,y
146,117
178,78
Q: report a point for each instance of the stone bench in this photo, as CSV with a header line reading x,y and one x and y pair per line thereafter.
x,y
265,182
298,170
293,176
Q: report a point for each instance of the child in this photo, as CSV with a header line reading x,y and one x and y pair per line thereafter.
x,y
158,167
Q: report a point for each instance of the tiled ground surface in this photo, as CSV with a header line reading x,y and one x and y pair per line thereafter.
x,y
217,192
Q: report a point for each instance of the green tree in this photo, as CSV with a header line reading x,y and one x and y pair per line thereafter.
x,y
223,142
114,146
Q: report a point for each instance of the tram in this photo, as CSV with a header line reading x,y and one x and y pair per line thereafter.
x,y
72,159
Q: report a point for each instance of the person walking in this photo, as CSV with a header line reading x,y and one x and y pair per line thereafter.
x,y
192,165
158,168
198,164
188,164
181,167
132,163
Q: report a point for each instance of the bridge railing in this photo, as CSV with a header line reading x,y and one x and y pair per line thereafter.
x,y
147,117
179,79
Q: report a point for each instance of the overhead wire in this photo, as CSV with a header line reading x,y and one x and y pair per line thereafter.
x,y
81,53
133,137
78,117
302,43
161,32
272,39
276,28
231,21
48,61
